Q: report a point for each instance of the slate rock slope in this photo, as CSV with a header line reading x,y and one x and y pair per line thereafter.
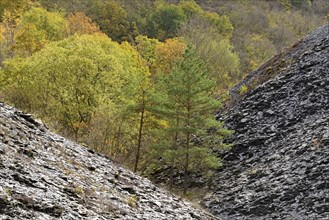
x,y
279,168
44,176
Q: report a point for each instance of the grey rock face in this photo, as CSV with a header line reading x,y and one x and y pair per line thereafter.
x,y
279,168
44,176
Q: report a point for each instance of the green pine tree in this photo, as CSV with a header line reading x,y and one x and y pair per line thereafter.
x,y
189,110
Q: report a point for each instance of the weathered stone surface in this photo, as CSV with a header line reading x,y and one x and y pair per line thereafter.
x,y
44,176
279,168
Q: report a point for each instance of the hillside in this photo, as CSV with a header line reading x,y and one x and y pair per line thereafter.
x,y
44,176
278,168
136,85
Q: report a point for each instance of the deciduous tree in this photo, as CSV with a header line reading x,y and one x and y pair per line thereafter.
x,y
16,7
146,48
165,22
169,52
215,49
67,81
79,23
37,28
111,18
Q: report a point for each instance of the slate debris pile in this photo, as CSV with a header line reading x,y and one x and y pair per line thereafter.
x,y
281,62
279,168
44,176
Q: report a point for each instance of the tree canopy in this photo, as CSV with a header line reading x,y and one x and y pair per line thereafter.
x,y
68,80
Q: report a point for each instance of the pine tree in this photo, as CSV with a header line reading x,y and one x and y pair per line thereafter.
x,y
190,109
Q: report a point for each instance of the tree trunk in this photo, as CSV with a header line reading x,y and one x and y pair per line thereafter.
x,y
187,154
174,146
186,165
141,123
76,135
171,183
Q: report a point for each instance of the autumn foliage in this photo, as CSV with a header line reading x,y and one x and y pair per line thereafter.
x,y
80,23
139,80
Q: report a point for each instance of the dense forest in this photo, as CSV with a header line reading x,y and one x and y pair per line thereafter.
x,y
140,80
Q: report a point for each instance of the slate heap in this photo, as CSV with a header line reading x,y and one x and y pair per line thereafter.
x,y
279,168
44,176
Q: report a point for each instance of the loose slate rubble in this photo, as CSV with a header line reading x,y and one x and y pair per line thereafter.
x,y
279,167
44,176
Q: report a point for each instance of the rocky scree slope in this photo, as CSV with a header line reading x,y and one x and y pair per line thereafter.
x,y
44,176
279,167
